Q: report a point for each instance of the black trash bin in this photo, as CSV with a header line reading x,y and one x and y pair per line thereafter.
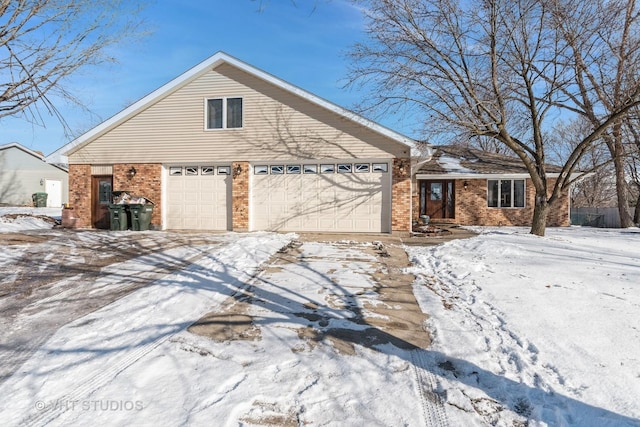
x,y
141,216
39,200
118,215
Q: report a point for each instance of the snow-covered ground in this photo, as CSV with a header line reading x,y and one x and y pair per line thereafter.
x,y
26,218
526,331
546,327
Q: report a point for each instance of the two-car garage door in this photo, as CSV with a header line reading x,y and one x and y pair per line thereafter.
x,y
323,197
340,197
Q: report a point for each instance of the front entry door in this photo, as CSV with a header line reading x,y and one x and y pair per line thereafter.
x,y
101,196
437,199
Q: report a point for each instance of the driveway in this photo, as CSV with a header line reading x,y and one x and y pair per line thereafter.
x,y
252,329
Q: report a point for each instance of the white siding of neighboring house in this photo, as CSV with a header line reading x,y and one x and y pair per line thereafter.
x,y
278,125
22,174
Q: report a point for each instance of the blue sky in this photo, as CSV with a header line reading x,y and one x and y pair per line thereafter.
x,y
303,42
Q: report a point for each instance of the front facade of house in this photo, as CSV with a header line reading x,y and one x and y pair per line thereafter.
x,y
471,187
24,172
226,146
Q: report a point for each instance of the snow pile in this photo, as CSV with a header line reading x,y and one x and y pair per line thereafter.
x,y
14,219
539,329
452,165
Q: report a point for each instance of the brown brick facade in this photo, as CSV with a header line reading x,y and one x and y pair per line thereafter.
x,y
471,206
80,195
147,182
401,195
240,196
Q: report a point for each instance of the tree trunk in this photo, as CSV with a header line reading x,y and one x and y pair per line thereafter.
x,y
621,190
636,213
540,214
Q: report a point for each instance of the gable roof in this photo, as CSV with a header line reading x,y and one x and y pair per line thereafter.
x,y
451,162
207,65
37,154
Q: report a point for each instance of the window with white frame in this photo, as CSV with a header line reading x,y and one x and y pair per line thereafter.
x,y
505,193
224,113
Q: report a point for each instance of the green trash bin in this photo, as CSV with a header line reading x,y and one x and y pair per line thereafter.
x,y
118,215
141,216
39,200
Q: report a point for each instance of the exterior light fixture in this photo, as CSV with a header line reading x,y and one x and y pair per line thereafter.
x,y
466,185
131,172
237,170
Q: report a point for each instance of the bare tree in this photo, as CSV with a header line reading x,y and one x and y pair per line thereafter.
x,y
44,42
604,84
504,69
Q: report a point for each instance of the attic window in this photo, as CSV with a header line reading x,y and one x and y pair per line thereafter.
x,y
224,113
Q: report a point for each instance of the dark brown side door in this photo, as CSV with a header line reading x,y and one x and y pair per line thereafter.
x,y
437,199
101,187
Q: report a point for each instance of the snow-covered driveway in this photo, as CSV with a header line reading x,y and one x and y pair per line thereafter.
x,y
311,339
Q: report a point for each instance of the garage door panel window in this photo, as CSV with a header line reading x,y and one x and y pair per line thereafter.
x,y
311,169
207,170
224,170
277,170
261,170
344,168
293,169
380,167
175,171
362,167
327,168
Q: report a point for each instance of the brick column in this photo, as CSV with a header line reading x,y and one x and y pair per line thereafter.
x,y
80,194
401,195
240,196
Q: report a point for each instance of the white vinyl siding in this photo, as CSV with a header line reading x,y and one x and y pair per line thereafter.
x,y
277,125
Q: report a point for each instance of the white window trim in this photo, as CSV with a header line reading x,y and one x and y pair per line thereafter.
x,y
512,193
224,113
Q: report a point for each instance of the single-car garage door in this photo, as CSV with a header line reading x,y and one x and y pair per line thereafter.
x,y
341,197
198,198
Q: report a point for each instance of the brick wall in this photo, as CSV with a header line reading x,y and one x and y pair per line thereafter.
x,y
240,196
80,195
471,207
401,195
147,182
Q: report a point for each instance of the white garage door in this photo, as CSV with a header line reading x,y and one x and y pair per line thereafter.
x,y
340,197
198,198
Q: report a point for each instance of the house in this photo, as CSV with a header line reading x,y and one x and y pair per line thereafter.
x,y
467,186
226,146
24,172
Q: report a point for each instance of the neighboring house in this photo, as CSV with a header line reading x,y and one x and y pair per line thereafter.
x,y
24,172
473,187
226,146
